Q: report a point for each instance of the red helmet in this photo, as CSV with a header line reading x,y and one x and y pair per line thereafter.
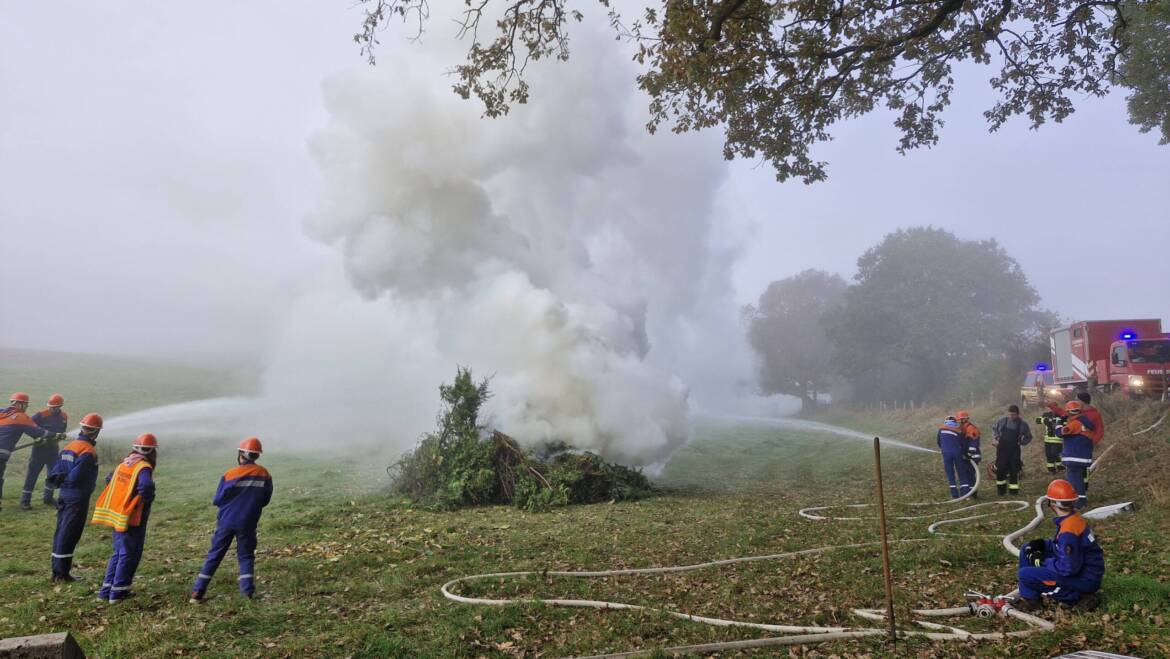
x,y
962,415
252,445
56,400
1061,491
92,420
146,441
1073,407
18,397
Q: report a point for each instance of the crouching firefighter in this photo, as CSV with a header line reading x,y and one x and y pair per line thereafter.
x,y
243,492
1066,569
43,455
75,472
1053,443
1010,433
954,452
125,507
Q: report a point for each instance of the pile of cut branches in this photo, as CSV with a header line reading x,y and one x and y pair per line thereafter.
x,y
462,464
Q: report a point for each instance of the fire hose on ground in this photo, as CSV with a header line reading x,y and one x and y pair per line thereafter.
x,y
983,606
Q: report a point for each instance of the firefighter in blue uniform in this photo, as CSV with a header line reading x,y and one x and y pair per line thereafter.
x,y
14,423
1077,454
124,505
243,492
43,455
1066,569
75,472
954,452
971,436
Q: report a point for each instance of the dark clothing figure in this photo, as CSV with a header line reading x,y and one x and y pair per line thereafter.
x,y
1053,443
43,456
1010,434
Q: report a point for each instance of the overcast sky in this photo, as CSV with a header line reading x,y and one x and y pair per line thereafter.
x,y
155,174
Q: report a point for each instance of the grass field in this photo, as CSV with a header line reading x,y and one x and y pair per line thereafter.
x,y
345,569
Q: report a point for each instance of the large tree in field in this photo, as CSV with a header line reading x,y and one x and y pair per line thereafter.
x,y
777,74
925,304
785,331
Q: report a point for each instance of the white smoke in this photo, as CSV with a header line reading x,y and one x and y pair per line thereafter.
x,y
561,250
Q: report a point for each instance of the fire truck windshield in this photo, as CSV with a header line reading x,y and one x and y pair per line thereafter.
x,y
1149,352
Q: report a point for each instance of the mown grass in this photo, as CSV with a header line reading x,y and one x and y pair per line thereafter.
x,y
345,569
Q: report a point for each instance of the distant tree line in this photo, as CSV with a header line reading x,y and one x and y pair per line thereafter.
x,y
928,317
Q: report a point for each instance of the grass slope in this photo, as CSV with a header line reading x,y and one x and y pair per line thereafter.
x,y
346,570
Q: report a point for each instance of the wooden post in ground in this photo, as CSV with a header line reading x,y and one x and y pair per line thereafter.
x,y
877,458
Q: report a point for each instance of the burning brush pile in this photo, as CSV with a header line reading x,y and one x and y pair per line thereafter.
x,y
462,464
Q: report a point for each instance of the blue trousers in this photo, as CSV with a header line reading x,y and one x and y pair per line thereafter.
x,y
1040,581
123,563
245,554
71,514
1075,474
40,459
960,474
4,453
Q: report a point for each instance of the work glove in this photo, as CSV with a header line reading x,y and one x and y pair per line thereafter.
x,y
1034,552
37,441
60,437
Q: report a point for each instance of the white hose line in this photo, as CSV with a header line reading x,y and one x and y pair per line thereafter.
x,y
799,634
1156,424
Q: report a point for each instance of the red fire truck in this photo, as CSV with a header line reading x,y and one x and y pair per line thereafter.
x,y
1131,356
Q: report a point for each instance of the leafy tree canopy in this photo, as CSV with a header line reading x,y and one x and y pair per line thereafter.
x,y
786,333
777,74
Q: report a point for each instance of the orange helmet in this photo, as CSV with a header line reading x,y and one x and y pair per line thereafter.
x,y
962,415
56,400
252,445
146,442
18,397
1061,491
92,420
1073,407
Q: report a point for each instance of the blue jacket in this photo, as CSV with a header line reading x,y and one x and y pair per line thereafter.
x,y
52,422
242,494
13,424
1078,445
76,470
950,441
1074,551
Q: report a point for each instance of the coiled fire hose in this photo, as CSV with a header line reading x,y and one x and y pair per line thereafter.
x,y
983,606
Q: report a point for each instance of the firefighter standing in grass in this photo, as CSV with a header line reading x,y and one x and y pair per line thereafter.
x,y
950,442
1066,569
55,420
1053,444
125,507
1077,454
971,435
1009,434
75,472
243,492
14,423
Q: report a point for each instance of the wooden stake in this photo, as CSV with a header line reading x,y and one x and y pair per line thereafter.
x,y
877,458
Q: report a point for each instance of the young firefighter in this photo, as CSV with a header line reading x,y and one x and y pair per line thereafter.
x,y
75,472
1010,433
14,423
1053,444
1094,416
243,492
971,435
1077,453
1066,569
125,506
950,442
43,455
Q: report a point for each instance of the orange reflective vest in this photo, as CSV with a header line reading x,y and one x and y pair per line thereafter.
x,y
119,505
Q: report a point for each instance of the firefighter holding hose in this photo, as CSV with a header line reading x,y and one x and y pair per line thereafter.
x,y
954,452
75,472
124,505
1066,569
14,423
970,434
1077,453
243,492
41,458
